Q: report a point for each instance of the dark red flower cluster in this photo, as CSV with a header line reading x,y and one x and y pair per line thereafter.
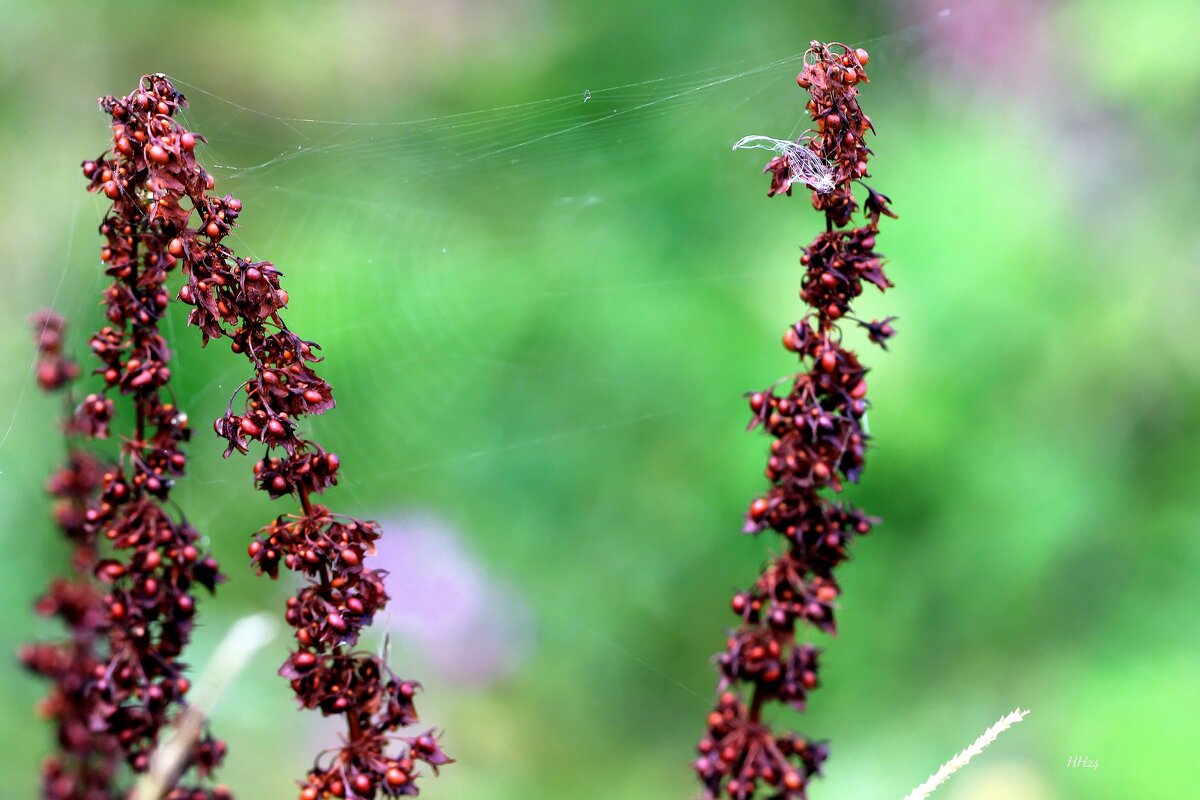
x,y
242,299
117,680
150,602
818,442
54,370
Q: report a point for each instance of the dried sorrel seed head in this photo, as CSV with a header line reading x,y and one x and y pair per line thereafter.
x,y
242,300
818,444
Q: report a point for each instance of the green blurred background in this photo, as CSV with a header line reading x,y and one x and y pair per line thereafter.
x,y
540,313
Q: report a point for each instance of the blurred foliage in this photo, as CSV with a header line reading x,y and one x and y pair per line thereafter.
x,y
548,351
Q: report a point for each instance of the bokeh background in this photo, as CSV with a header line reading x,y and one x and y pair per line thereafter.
x,y
540,312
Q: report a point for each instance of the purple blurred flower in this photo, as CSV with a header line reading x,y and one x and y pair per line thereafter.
x,y
471,627
1001,43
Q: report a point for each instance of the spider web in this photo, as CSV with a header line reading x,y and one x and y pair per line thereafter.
x,y
423,206
430,224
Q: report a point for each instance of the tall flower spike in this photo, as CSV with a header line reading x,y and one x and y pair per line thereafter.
x,y
242,299
818,443
120,681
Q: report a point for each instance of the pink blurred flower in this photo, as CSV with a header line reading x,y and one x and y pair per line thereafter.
x,y
470,626
998,42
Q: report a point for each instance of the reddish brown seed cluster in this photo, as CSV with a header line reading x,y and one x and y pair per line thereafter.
x,y
129,609
54,370
242,299
831,74
818,442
